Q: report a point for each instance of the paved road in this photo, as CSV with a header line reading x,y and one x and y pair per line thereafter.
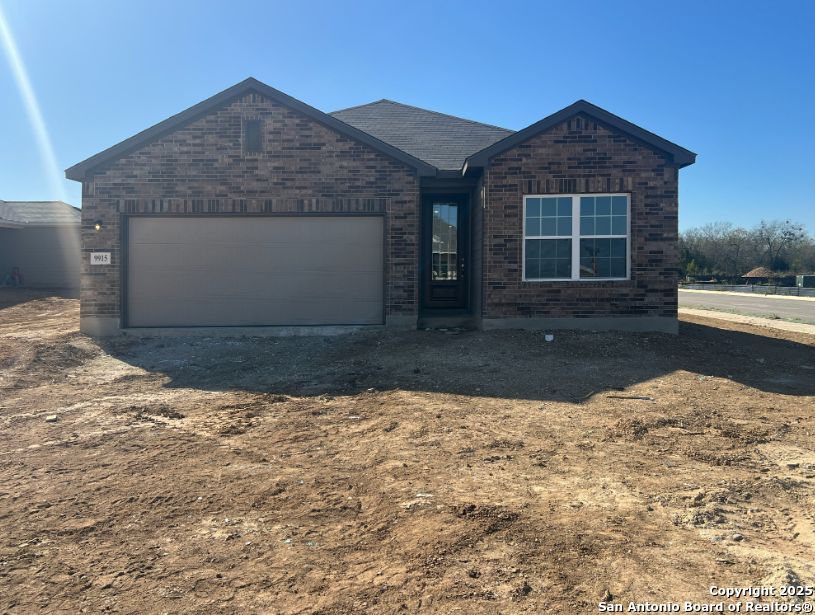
x,y
791,309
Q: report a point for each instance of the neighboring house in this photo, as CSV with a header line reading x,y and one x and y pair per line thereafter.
x,y
253,208
759,275
41,239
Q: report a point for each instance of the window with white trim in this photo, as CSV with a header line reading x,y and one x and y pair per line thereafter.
x,y
576,237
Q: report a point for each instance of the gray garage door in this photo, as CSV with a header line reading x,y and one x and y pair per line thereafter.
x,y
323,270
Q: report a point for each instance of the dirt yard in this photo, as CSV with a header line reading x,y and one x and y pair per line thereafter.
x,y
418,472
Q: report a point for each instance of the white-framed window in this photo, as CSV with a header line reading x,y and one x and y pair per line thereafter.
x,y
576,237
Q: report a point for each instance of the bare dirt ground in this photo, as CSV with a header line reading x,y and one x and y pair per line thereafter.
x,y
427,471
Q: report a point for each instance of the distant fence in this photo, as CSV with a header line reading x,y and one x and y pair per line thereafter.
x,y
758,289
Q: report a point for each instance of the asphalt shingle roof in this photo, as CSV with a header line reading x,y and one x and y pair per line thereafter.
x,y
444,141
38,213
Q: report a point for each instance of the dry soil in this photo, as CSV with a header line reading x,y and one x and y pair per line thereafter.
x,y
412,472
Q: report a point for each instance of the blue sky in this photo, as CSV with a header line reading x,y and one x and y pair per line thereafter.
x,y
732,81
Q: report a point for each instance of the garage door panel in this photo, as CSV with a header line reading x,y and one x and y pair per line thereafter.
x,y
214,230
313,286
255,271
209,313
261,258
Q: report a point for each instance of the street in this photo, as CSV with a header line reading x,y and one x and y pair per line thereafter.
x,y
753,305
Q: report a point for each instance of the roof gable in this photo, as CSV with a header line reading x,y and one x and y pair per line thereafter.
x,y
681,156
80,170
444,141
425,140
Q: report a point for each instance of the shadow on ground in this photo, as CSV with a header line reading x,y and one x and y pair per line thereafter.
x,y
501,364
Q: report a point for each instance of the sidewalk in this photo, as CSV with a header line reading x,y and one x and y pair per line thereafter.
x,y
738,294
771,323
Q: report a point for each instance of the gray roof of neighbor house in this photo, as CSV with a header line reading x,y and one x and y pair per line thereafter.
x,y
38,213
444,141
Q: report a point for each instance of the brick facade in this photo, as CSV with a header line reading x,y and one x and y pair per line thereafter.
x,y
581,155
201,168
305,166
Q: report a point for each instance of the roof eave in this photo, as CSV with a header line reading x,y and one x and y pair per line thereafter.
x,y
40,224
685,161
681,157
79,172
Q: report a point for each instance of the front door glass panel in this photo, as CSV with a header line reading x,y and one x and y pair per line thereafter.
x,y
444,253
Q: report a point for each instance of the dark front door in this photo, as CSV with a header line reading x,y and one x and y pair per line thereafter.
x,y
444,251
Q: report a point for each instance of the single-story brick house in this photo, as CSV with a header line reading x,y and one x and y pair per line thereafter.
x,y
253,208
39,242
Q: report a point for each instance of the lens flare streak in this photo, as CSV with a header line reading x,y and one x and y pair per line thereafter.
x,y
44,144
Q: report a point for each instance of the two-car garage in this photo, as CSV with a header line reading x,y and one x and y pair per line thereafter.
x,y
188,271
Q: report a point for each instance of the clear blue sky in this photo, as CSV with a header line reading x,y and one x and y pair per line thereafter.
x,y
732,81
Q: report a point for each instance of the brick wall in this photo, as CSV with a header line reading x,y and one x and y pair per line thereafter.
x,y
201,168
581,155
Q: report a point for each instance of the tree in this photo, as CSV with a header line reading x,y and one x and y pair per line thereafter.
x,y
778,237
725,251
738,242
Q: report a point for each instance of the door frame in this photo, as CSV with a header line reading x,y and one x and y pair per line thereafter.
x,y
462,199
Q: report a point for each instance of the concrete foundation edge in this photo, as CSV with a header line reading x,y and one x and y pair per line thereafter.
x,y
100,326
401,322
660,324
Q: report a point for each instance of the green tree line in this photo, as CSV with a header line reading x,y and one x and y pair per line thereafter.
x,y
723,250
